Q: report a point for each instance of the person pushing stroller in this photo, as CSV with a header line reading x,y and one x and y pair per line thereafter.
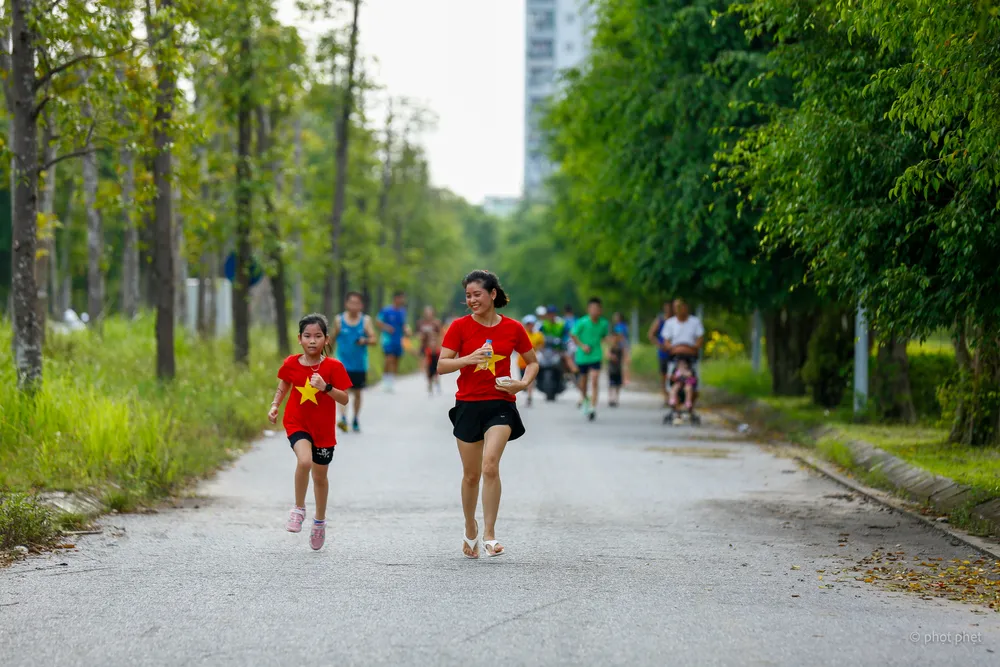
x,y
682,336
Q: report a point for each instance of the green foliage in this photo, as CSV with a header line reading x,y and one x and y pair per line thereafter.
x,y
667,85
23,522
828,358
929,373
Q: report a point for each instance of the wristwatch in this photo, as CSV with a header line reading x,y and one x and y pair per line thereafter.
x,y
329,388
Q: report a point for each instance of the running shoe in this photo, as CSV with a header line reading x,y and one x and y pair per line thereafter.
x,y
317,536
356,426
342,424
295,519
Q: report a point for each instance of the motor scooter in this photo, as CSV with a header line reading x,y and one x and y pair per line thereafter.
x,y
551,381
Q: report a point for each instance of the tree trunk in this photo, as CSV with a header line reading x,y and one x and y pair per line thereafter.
x,y
46,207
343,129
977,420
383,199
24,291
244,193
892,391
180,261
274,251
788,334
95,230
298,287
130,259
162,30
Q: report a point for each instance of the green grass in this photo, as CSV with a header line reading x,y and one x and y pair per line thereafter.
x,y
924,445
104,424
23,522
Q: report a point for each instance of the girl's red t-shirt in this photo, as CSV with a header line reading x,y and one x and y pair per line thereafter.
x,y
465,336
310,409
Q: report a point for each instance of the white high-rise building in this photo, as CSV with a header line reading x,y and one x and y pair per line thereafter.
x,y
557,36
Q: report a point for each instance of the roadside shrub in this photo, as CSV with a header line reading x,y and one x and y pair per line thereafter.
x,y
23,521
931,374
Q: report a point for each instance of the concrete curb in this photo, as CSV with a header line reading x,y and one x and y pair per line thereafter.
x,y
908,481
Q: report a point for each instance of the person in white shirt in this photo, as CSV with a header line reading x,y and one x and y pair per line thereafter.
x,y
683,335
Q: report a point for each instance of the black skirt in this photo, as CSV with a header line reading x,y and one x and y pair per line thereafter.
x,y
472,419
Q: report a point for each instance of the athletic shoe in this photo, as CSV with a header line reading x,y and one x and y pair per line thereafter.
x,y
317,536
295,519
342,425
356,426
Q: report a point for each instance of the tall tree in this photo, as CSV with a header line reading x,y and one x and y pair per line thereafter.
x,y
160,27
244,193
95,228
343,135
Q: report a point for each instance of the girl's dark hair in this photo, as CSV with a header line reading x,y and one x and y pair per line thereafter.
x,y
490,282
314,318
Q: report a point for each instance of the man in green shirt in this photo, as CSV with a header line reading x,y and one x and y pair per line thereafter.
x,y
589,334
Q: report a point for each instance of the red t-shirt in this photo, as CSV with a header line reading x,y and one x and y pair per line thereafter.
x,y
465,336
308,408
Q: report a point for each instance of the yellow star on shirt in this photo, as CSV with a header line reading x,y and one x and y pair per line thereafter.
x,y
308,393
492,364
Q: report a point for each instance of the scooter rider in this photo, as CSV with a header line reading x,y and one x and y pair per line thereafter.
x,y
557,336
683,336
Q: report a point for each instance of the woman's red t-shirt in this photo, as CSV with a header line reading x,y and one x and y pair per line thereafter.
x,y
465,336
310,409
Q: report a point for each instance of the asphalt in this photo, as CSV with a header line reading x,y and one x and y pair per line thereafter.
x,y
629,543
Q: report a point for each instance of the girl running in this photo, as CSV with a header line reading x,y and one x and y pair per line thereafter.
x,y
485,415
310,419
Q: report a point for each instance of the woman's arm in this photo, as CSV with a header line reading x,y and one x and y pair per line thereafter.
x,y
528,375
449,361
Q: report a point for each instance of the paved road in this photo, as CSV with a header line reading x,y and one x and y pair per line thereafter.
x,y
629,544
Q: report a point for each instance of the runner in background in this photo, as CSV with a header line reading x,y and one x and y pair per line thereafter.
x,y
663,355
589,333
430,330
352,333
537,339
619,363
392,322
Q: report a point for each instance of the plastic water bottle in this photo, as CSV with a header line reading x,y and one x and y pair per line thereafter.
x,y
483,365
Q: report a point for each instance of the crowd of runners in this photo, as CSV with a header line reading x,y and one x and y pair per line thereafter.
x,y
333,371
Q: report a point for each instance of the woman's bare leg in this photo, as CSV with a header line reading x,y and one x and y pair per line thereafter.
x,y
496,441
472,470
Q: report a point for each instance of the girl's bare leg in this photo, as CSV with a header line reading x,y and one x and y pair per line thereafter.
x,y
321,489
303,452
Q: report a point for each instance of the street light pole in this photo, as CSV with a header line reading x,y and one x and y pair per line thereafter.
x,y
861,352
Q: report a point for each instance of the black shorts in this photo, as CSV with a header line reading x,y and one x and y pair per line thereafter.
x,y
614,378
321,457
432,364
664,364
472,419
586,368
359,379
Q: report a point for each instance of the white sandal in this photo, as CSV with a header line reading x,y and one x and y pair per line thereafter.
x,y
490,547
473,544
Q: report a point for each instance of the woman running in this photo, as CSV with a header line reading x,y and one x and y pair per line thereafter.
x,y
485,415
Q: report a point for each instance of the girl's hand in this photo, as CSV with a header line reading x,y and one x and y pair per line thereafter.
x,y
317,381
477,357
272,414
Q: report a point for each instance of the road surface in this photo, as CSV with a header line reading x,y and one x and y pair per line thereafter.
x,y
628,544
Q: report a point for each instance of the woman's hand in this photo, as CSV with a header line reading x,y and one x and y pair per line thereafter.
x,y
272,414
317,381
513,388
478,357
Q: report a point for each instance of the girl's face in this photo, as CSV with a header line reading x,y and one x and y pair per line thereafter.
x,y
312,339
478,299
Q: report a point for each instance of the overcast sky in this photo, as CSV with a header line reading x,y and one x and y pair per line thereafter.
x,y
464,59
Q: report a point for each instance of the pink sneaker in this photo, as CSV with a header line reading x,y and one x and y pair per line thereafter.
x,y
295,519
317,536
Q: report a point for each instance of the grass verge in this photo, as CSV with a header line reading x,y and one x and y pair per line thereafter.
x,y
924,445
103,424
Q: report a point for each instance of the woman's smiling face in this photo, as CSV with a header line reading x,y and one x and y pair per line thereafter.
x,y
478,299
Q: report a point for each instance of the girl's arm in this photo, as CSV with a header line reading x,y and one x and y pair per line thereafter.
x,y
449,361
339,395
279,396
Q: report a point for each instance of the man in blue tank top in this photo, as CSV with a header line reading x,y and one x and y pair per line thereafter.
x,y
352,333
392,322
